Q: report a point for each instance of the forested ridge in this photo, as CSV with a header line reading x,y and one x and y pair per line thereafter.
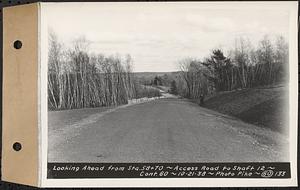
x,y
245,66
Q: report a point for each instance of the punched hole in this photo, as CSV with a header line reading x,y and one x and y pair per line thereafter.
x,y
17,44
17,146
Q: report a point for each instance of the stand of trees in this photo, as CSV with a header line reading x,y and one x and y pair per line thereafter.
x,y
77,79
192,81
244,67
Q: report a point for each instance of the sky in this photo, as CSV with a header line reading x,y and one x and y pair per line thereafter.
x,y
158,35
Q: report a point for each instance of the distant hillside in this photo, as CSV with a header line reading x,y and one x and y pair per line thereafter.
x,y
153,74
146,77
265,107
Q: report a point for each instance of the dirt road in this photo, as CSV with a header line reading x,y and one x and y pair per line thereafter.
x,y
164,130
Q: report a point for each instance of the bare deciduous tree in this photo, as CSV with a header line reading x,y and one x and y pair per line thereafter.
x,y
77,79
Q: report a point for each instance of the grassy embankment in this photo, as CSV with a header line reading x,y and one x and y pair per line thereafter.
x,y
265,107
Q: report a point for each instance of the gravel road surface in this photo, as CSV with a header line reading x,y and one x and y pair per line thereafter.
x,y
163,130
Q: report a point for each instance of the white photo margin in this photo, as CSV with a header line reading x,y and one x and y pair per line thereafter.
x,y
174,182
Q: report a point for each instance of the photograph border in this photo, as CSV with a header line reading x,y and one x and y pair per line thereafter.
x,y
175,182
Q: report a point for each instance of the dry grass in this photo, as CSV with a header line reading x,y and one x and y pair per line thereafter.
x,y
265,107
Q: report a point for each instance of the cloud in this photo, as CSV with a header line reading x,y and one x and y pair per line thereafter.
x,y
210,24
156,35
